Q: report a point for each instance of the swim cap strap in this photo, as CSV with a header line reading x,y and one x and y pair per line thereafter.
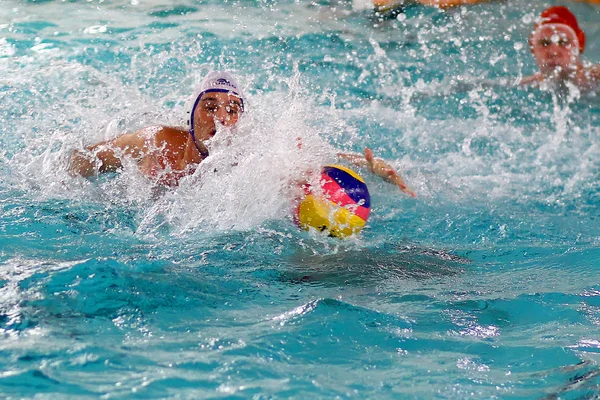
x,y
202,152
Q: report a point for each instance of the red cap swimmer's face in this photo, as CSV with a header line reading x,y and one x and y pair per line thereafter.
x,y
556,49
215,108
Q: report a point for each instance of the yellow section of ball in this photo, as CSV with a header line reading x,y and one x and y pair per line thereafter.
x,y
325,216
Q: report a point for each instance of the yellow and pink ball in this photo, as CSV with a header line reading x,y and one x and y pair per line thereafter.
x,y
338,205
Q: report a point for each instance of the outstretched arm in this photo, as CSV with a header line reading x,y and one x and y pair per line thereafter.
x,y
535,78
450,3
379,167
383,5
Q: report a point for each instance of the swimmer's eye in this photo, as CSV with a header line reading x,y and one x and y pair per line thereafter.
x,y
210,108
560,42
563,42
233,109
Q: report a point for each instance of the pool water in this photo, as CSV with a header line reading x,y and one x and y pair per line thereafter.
x,y
487,285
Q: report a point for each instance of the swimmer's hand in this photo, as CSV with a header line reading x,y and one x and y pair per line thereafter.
x,y
379,167
384,170
81,164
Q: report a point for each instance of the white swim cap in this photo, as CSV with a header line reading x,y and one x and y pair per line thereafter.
x,y
214,81
220,81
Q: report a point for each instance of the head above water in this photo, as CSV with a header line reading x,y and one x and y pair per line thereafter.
x,y
556,50
557,42
219,101
561,15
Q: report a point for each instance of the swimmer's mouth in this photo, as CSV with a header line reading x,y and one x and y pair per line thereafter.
x,y
554,66
213,133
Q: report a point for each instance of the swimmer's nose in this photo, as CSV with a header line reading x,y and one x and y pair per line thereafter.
x,y
551,53
222,116
554,50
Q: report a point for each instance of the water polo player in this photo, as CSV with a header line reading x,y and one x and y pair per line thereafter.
x,y
557,42
169,153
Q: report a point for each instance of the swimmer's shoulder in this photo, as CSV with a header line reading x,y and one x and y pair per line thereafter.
x,y
165,131
594,72
175,138
177,145
164,134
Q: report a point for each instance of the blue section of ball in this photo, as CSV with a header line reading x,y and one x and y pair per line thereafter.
x,y
354,188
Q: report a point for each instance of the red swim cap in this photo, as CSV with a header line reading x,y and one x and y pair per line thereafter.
x,y
562,15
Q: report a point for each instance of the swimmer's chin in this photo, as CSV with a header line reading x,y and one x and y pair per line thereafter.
x,y
555,68
558,70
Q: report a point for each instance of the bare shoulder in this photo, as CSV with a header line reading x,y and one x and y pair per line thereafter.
x,y
138,141
153,131
594,72
174,131
152,135
172,136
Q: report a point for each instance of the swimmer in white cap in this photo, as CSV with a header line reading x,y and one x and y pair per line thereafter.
x,y
169,153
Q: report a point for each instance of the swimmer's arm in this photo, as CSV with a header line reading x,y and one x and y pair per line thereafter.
x,y
459,84
379,167
383,5
106,156
528,80
449,3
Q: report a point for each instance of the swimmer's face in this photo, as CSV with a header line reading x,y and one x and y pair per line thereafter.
x,y
215,108
556,49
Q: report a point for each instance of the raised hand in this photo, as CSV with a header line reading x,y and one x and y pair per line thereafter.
x,y
381,168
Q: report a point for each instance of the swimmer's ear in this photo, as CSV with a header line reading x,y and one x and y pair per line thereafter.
x,y
530,43
530,40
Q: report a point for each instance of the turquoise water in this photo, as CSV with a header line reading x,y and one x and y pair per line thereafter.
x,y
485,286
